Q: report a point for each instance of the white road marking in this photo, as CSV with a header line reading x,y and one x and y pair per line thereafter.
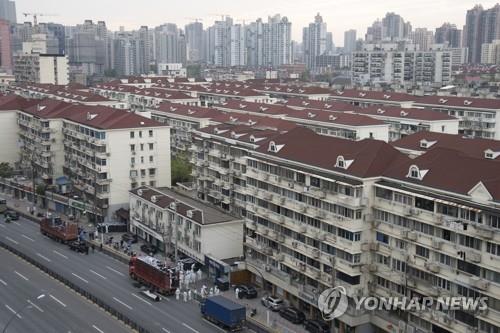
x,y
165,330
60,254
1,225
214,326
58,301
3,282
35,306
189,327
114,270
97,329
24,277
31,239
43,257
139,298
98,274
124,304
12,240
13,311
17,223
80,277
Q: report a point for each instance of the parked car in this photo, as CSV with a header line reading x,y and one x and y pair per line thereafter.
x,y
316,326
148,248
293,315
129,237
272,302
12,214
246,291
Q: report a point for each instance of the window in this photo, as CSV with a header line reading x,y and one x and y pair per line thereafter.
x,y
151,146
414,172
340,162
152,171
132,147
422,251
152,183
315,182
150,133
132,135
272,147
382,238
142,159
151,159
140,134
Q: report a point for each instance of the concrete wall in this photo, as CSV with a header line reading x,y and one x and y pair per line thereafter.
x,y
9,137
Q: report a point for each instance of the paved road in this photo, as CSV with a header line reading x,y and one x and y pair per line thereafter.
x,y
107,278
61,310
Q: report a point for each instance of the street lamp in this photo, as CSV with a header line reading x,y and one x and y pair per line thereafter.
x,y
19,312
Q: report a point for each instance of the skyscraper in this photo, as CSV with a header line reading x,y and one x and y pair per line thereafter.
x,y
349,41
374,32
194,40
481,26
5,47
423,38
314,41
393,26
170,44
278,41
8,11
222,42
238,45
448,34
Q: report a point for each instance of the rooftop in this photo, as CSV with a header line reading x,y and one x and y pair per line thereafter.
x,y
201,213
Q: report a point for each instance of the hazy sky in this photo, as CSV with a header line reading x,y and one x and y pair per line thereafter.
x,y
340,15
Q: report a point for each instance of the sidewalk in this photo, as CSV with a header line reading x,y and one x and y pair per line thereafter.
x,y
264,316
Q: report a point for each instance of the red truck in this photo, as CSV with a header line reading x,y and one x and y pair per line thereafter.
x,y
154,274
59,230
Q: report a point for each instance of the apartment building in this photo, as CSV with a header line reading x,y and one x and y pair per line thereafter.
x,y
419,143
66,93
327,122
402,67
109,151
138,99
9,105
436,235
172,221
40,139
323,212
406,121
41,68
477,116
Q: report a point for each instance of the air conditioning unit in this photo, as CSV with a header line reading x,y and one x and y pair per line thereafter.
x,y
295,244
432,267
474,256
290,185
479,283
437,244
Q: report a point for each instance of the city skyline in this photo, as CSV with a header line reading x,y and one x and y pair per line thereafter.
x,y
338,16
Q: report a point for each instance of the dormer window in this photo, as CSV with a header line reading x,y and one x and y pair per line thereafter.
x,y
403,113
426,144
415,173
490,154
332,117
252,138
443,101
272,147
340,162
311,115
380,111
467,102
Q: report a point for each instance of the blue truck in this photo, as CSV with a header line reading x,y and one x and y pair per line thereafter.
x,y
224,312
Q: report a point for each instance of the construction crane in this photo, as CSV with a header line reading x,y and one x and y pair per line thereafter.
x,y
193,19
36,15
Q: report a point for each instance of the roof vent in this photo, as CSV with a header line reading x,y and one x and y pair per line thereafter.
x,y
154,198
332,117
189,213
387,96
142,123
380,111
311,115
467,102
139,192
403,113
443,101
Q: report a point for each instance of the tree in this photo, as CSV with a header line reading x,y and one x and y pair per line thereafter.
x,y
6,170
181,169
193,71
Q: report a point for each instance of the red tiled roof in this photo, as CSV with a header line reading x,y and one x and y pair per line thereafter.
x,y
348,119
468,102
452,171
262,108
322,105
14,102
404,113
473,147
370,157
